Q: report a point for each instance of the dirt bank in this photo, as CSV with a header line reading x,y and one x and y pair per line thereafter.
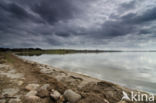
x,y
17,74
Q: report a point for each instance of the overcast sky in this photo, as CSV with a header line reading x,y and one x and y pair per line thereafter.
x,y
78,24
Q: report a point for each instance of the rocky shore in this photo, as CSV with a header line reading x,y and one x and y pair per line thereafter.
x,y
23,81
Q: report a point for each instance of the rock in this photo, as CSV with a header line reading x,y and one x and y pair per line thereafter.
x,y
1,96
2,61
43,91
61,99
2,101
45,86
20,83
10,92
106,101
93,98
55,94
31,96
31,87
31,99
71,96
31,93
122,102
15,101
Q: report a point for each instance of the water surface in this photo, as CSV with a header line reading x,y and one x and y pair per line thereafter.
x,y
135,70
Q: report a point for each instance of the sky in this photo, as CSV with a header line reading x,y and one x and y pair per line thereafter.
x,y
78,24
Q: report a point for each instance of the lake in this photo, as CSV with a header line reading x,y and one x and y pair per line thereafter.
x,y
136,70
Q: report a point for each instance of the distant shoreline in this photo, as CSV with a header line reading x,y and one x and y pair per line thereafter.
x,y
38,51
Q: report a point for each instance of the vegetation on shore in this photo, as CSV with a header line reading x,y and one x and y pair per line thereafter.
x,y
38,51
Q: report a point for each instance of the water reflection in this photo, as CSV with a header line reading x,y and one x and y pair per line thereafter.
x,y
130,69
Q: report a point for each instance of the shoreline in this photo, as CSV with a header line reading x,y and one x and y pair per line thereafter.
x,y
72,70
80,75
61,80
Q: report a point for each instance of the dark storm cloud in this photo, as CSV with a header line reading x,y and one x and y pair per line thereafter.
x,y
54,10
126,24
15,11
127,5
148,15
76,23
12,15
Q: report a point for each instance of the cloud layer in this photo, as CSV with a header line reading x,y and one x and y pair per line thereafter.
x,y
89,24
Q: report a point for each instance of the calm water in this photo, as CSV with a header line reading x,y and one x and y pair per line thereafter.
x,y
131,69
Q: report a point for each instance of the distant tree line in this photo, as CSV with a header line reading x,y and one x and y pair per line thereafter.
x,y
20,49
63,51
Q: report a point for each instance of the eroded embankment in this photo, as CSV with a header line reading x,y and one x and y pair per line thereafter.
x,y
23,81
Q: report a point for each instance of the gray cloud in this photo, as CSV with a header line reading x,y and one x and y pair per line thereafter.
x,y
147,16
103,24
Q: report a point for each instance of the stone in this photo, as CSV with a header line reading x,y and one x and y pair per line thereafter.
x,y
106,101
2,61
9,92
2,101
45,86
31,93
17,100
122,102
61,99
1,96
71,96
20,83
31,87
43,91
31,99
55,94
31,96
